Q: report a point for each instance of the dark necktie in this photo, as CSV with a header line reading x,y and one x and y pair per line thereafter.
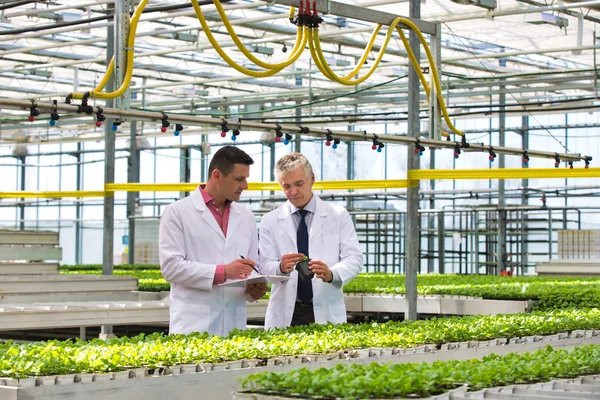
x,y
305,292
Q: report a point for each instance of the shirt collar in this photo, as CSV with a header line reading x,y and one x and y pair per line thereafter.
x,y
208,199
310,207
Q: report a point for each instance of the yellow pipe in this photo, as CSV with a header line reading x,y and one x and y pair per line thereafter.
x,y
224,56
96,93
413,177
293,56
256,186
347,79
504,173
51,194
315,57
434,72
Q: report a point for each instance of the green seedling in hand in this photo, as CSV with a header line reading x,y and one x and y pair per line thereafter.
x,y
302,267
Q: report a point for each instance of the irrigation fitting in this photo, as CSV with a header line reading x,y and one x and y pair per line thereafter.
x,y
33,111
328,137
300,18
278,133
457,150
419,149
380,146
336,142
115,125
84,107
100,117
525,158
224,128
492,156
287,139
587,161
304,129
571,164
236,131
314,18
556,160
54,114
463,142
375,142
164,123
178,129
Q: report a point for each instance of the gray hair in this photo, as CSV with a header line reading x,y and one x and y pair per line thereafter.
x,y
290,162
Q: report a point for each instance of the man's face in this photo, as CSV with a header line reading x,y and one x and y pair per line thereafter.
x,y
297,187
231,186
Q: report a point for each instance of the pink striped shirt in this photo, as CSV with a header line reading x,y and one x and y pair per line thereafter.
x,y
223,222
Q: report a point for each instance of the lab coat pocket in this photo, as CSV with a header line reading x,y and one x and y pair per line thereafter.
x,y
190,317
337,312
330,249
243,248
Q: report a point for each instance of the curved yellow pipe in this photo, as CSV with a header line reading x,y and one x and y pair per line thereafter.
x,y
434,72
224,56
96,93
347,80
292,58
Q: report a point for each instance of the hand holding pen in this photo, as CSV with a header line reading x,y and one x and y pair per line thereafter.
x,y
253,267
239,269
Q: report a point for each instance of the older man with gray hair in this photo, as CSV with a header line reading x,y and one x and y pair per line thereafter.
x,y
307,227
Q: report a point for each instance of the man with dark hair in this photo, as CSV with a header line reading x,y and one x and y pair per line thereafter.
x,y
206,239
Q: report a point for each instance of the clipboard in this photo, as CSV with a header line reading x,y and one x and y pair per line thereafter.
x,y
255,279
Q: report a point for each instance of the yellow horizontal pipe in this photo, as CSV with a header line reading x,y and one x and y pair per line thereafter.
x,y
50,195
505,173
151,187
413,178
257,186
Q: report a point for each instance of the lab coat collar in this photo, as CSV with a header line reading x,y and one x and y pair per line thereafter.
x,y
288,224
200,205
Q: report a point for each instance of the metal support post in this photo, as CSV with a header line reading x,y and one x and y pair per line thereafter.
x,y
435,114
350,162
272,164
185,168
435,132
524,196
350,168
298,139
112,47
550,234
121,34
431,220
441,243
133,176
566,149
78,231
22,203
412,196
501,249
203,160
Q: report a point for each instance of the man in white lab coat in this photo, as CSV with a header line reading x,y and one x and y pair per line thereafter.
x,y
206,239
307,226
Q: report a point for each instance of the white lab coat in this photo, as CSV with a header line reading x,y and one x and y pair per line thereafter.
x,y
332,239
191,245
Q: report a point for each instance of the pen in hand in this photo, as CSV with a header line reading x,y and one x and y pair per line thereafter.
x,y
243,258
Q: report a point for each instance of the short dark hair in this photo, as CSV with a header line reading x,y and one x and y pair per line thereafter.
x,y
225,158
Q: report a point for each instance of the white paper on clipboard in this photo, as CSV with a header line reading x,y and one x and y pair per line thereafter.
x,y
255,279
